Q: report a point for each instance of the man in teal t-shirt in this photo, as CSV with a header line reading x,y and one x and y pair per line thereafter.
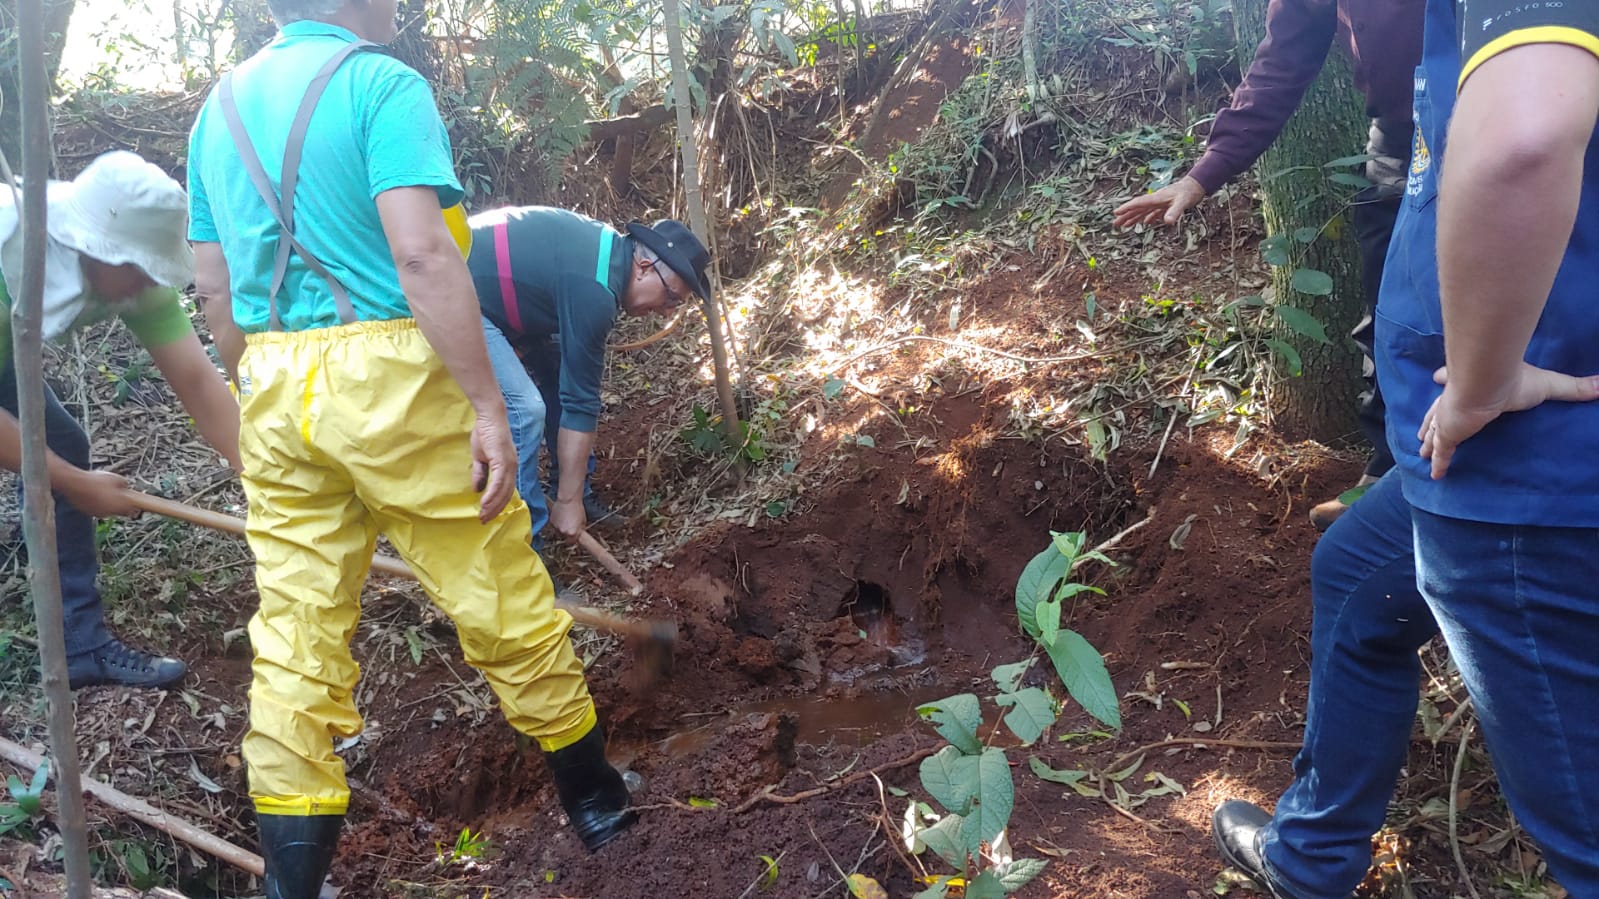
x,y
115,249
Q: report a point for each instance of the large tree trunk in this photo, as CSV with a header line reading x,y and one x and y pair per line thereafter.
x,y
56,15
1319,404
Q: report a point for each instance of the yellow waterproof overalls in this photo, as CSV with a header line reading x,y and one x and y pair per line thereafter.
x,y
348,432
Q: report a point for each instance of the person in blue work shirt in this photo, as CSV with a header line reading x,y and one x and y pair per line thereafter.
x,y
551,284
1488,349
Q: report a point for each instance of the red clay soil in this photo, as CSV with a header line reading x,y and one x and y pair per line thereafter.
x,y
777,688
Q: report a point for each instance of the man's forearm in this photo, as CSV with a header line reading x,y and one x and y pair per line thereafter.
x,y
1506,209
572,451
1298,36
61,471
203,393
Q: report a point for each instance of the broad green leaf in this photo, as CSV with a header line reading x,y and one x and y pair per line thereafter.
x,y
986,886
785,44
1037,580
951,777
1274,250
1008,678
1311,281
1082,670
832,387
939,889
956,718
1296,366
1054,775
944,839
1032,711
1020,872
992,805
1048,616
1303,323
865,440
1307,235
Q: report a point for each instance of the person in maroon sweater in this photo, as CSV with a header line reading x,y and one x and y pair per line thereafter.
x,y
1383,40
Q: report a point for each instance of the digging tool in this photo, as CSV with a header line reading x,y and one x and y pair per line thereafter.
x,y
655,639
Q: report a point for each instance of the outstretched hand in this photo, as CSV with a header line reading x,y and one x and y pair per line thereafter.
x,y
1164,206
1449,423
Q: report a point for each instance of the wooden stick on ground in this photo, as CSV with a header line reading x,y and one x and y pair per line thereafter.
x,y
147,814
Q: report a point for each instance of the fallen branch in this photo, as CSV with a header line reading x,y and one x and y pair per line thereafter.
x,y
145,813
1454,808
1114,539
648,120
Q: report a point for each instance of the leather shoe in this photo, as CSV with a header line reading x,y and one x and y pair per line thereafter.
x,y
1237,826
118,664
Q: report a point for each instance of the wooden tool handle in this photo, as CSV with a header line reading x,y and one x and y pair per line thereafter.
x,y
593,547
391,566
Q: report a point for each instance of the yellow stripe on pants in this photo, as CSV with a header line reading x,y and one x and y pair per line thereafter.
x,y
347,432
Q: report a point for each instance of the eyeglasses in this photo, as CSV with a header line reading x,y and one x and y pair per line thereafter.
x,y
673,298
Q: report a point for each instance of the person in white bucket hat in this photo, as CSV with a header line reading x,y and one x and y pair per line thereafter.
x,y
117,248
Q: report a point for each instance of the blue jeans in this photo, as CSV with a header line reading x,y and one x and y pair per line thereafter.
x,y
83,615
524,407
1368,622
1519,606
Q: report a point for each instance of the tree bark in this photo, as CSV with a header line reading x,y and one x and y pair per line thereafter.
x,y
1330,123
57,15
44,574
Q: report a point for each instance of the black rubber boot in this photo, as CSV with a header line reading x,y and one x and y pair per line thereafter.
x,y
591,791
298,850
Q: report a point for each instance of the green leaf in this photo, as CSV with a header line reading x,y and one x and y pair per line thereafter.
x,y
951,777
1020,872
1070,543
41,776
785,44
1048,615
1082,670
413,641
1032,711
1350,179
865,440
956,718
697,802
1069,589
993,802
985,886
1311,281
1053,775
770,877
944,839
776,508
1008,678
1307,235
1347,161
1296,366
1303,323
1274,249
939,889
832,387
1037,580
1349,496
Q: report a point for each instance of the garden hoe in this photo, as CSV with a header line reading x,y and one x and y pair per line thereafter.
x,y
654,641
